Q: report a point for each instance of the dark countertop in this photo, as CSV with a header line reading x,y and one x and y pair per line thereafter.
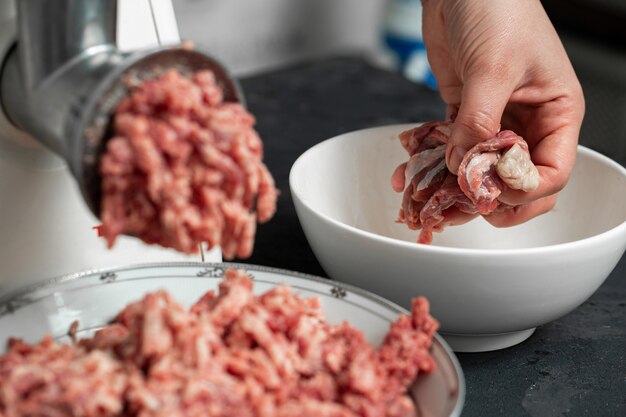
x,y
575,366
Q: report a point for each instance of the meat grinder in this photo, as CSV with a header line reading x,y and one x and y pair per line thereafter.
x,y
63,63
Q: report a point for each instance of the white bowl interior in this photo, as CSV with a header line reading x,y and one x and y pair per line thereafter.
x,y
348,179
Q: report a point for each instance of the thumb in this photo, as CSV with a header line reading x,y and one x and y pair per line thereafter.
x,y
482,103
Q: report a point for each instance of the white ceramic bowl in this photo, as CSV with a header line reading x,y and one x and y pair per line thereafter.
x,y
489,287
95,297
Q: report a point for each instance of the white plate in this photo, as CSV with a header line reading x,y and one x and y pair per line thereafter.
x,y
94,297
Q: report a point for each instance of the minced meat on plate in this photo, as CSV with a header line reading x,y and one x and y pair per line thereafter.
x,y
231,354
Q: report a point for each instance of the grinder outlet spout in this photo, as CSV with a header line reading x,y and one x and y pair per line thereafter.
x,y
61,81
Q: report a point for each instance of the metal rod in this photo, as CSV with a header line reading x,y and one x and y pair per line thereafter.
x,y
164,19
201,251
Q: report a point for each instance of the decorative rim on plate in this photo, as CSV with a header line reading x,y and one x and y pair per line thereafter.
x,y
18,298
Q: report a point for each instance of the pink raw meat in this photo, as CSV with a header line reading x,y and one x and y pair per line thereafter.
x,y
433,214
230,354
425,171
432,192
185,168
478,177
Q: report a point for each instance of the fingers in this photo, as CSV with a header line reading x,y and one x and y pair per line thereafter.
x,y
482,104
397,178
520,214
437,45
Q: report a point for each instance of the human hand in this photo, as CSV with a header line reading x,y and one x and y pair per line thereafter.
x,y
501,65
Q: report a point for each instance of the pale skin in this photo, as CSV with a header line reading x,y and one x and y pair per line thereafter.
x,y
501,65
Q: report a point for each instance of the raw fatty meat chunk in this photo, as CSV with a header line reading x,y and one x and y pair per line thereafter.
x,y
429,187
431,193
492,166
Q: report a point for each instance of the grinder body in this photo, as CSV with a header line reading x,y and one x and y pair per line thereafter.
x,y
54,115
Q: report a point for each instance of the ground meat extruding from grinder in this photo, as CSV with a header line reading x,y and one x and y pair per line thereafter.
x,y
430,189
185,167
231,354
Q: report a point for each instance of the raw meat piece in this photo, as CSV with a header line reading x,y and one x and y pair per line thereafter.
x,y
432,193
481,168
50,379
231,354
426,169
517,170
184,168
433,214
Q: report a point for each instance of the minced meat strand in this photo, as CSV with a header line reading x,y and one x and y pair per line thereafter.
x,y
184,167
230,354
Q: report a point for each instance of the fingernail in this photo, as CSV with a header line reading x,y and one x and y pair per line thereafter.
x,y
455,158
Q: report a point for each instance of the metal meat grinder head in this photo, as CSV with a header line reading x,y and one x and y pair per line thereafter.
x,y
61,69
62,79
